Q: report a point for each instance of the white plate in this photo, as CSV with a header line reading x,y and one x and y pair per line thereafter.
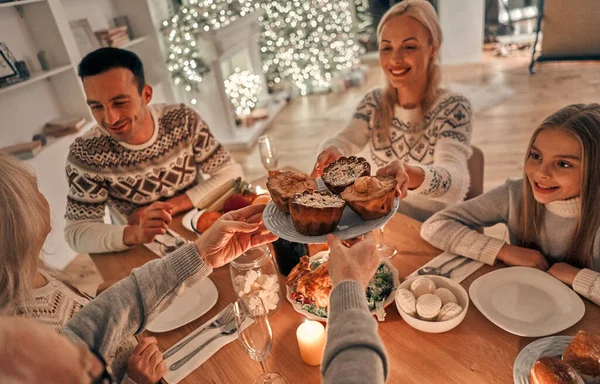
x,y
324,255
190,219
526,301
548,346
349,227
195,302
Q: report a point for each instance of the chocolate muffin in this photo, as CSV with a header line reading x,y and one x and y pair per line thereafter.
x,y
316,213
342,172
283,185
371,197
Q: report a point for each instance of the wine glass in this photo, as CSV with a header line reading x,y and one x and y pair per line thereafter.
x,y
268,153
256,338
385,250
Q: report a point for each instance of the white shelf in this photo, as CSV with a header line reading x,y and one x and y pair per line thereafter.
x,y
35,77
133,42
17,3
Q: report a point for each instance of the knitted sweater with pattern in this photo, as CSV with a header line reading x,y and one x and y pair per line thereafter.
x,y
182,156
55,304
438,140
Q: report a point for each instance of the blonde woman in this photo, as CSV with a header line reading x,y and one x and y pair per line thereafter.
x,y
414,130
30,289
551,213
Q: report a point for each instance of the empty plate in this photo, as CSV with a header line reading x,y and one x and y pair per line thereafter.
x,y
193,303
526,301
349,227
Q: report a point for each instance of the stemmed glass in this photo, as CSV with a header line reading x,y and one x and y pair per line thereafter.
x,y
385,250
268,153
256,338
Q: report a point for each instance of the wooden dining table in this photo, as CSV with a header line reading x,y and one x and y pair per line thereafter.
x,y
476,351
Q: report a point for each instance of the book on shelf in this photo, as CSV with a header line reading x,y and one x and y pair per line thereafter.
x,y
23,151
63,126
114,37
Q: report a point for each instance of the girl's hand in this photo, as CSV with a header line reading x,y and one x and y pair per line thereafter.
x,y
328,156
519,256
564,272
145,364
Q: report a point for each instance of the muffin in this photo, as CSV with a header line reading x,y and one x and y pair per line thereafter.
x,y
342,172
316,213
283,185
371,197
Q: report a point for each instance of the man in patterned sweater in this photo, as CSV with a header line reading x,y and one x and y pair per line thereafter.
x,y
146,163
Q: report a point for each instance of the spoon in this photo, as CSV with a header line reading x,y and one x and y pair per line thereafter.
x,y
435,270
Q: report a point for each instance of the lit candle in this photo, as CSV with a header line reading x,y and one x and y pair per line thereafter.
x,y
311,341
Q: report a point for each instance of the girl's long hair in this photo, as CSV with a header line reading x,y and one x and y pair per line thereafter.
x,y
582,120
423,12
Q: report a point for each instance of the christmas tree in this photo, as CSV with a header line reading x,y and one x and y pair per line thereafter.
x,y
304,42
307,42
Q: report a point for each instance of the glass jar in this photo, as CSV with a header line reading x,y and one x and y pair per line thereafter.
x,y
254,273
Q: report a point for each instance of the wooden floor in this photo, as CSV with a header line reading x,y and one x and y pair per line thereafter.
x,y
501,131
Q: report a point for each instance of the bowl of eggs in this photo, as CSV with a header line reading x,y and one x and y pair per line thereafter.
x,y
432,304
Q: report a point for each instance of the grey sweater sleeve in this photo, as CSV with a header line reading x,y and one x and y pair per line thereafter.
x,y
454,229
354,352
124,309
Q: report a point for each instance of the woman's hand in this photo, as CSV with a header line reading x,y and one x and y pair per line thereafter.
x,y
519,256
408,176
564,272
328,156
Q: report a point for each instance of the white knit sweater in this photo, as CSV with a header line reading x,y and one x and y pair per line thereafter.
x,y
55,304
438,140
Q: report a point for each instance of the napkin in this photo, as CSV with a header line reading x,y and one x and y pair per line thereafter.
x,y
457,275
173,377
167,237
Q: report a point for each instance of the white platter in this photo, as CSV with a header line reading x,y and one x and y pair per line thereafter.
x,y
324,255
349,227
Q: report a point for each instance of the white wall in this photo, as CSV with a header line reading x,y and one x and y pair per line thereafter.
x,y
462,25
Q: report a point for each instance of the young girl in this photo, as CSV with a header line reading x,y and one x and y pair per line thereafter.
x,y
29,289
552,213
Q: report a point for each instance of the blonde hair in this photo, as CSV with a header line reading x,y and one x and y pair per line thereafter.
x,y
583,121
24,222
423,12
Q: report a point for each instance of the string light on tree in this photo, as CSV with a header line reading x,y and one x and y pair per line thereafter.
x,y
243,88
364,20
307,42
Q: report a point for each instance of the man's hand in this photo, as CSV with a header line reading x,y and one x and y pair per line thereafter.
x,y
357,263
233,234
152,220
328,156
146,364
519,256
564,272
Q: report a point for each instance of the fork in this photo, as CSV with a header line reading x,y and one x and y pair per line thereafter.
x,y
449,272
225,317
226,330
